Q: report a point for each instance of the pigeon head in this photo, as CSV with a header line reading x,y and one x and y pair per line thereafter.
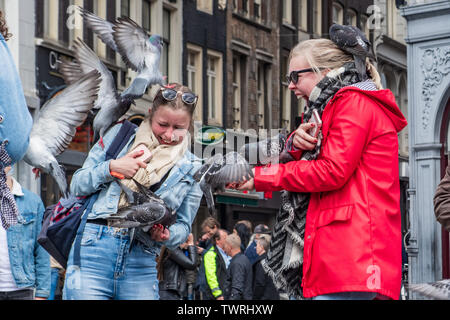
x,y
156,41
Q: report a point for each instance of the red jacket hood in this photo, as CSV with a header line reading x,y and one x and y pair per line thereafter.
x,y
386,101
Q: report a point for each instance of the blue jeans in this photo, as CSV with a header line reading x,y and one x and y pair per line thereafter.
x,y
347,296
54,283
109,269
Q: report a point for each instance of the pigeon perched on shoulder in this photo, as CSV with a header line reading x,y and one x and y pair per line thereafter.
x,y
145,210
140,51
109,105
220,171
270,150
56,125
439,290
352,40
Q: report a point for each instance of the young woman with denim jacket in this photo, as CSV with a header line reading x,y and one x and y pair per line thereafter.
x,y
110,268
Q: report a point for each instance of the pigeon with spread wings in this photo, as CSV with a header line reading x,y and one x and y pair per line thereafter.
x,y
439,290
220,171
140,51
109,105
56,125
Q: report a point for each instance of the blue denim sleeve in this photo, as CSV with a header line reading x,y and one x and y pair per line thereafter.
x,y
42,259
95,171
185,217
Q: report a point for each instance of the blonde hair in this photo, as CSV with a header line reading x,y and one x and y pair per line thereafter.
x,y
234,241
324,53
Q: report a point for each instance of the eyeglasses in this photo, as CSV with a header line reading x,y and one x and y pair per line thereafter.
x,y
293,76
187,97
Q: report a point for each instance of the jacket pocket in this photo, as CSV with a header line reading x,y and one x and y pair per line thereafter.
x,y
339,214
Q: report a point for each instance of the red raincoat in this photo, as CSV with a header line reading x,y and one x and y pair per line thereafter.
x,y
353,226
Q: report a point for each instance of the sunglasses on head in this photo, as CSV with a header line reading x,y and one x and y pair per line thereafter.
x,y
293,76
187,97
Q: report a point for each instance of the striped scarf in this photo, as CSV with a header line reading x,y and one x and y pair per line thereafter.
x,y
8,207
284,262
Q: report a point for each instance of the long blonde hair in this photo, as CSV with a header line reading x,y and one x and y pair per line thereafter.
x,y
324,53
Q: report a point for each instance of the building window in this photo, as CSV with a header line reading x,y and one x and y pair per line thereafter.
x,y
257,9
236,92
317,14
286,96
125,8
214,81
338,13
194,77
303,15
205,6
287,11
351,18
365,26
166,39
146,15
263,117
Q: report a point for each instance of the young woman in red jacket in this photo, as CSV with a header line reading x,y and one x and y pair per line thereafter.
x,y
344,184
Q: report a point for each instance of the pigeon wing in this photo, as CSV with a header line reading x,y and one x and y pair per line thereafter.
x,y
71,71
60,116
102,28
235,169
437,290
132,43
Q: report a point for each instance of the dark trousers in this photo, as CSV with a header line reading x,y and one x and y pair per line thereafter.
x,y
25,294
169,295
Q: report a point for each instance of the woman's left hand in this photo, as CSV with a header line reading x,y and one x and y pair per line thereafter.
x,y
159,234
247,186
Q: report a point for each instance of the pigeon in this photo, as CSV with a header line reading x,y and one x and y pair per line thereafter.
x,y
220,171
354,41
439,290
145,210
271,150
56,125
110,107
140,51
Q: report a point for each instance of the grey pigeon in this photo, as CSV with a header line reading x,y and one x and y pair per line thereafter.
x,y
56,125
352,40
271,150
109,105
140,51
145,210
219,171
439,290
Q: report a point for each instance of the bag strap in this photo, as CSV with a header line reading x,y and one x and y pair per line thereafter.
x,y
119,142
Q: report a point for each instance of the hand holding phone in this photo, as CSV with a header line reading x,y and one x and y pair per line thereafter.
x,y
318,124
147,153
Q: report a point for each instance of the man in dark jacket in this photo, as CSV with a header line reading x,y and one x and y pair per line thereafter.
x,y
263,287
240,276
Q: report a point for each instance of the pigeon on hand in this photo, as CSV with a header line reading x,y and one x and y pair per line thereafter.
x,y
439,290
220,171
271,150
139,51
56,125
145,210
109,105
352,40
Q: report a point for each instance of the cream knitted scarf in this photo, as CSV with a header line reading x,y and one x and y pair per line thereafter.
x,y
164,157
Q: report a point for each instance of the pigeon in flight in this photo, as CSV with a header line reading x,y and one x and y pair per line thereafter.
x,y
145,210
354,41
110,106
220,171
140,51
439,290
271,150
56,125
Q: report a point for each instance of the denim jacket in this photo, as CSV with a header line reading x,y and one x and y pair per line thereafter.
x,y
30,263
180,191
15,119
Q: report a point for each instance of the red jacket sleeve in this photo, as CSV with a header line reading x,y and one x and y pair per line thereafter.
x,y
340,155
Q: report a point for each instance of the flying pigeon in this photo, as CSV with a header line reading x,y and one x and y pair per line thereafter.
x,y
140,51
220,171
56,126
439,290
145,210
109,105
271,150
354,41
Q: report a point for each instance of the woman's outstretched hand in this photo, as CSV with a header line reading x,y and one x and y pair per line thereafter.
x,y
248,185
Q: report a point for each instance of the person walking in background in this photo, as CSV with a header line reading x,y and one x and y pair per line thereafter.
x,y
172,266
239,274
15,124
215,264
250,252
24,264
263,286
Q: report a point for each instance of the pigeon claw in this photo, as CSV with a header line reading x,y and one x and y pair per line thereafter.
x,y
100,142
37,173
